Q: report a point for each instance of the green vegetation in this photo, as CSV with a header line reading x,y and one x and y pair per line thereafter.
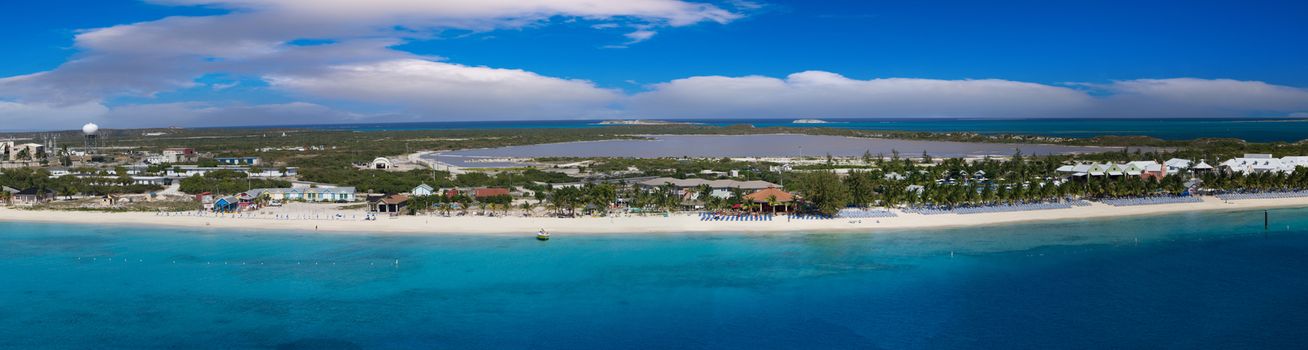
x,y
227,182
102,184
122,206
381,181
331,156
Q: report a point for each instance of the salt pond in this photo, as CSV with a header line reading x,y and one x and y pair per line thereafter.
x,y
746,146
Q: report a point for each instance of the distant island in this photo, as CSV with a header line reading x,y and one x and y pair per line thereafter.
x,y
642,122
810,121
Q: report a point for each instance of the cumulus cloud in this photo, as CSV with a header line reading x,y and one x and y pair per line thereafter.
x,y
262,39
451,91
338,60
1199,98
825,94
465,13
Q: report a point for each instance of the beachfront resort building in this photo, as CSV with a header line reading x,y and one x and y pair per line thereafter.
x,y
314,194
1263,163
1145,169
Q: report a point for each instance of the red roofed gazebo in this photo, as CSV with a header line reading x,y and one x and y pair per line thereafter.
x,y
772,198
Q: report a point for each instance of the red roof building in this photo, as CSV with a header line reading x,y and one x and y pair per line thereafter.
x,y
491,192
763,195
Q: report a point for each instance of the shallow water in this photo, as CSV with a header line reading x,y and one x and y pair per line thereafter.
x,y
1211,280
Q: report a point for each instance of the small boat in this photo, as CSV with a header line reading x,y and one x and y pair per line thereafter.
x,y
542,235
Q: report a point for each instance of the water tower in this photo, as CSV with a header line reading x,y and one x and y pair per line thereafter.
x,y
90,132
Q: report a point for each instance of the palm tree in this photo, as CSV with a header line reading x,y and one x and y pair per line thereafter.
x,y
464,203
527,207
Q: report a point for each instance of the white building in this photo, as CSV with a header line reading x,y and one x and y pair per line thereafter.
x,y
422,190
1263,163
316,194
30,151
1141,168
381,163
1176,165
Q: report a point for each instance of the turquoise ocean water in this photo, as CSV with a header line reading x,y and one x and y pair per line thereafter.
x,y
1258,130
1208,280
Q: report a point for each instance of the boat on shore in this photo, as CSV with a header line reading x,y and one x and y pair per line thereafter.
x,y
542,235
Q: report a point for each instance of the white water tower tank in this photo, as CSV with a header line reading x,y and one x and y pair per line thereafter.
x,y
90,129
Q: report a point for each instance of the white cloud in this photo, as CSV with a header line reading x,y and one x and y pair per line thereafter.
x,y
259,39
824,94
354,60
1200,97
466,13
450,91
640,35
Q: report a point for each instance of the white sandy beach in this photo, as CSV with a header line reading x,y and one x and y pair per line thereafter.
x,y
684,223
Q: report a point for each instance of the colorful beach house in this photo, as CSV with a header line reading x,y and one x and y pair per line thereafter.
x,y
227,204
329,194
315,194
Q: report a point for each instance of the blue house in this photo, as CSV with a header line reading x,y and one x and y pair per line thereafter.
x,y
229,203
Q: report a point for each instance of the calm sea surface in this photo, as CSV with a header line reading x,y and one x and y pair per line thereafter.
x,y
1211,280
1258,130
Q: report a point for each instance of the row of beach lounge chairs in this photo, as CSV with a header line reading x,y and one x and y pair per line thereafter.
x,y
999,208
1262,195
1130,202
808,217
854,213
734,217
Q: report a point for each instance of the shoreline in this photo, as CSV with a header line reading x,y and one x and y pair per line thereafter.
x,y
674,224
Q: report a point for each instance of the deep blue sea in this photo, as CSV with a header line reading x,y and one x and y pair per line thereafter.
x,y
1257,130
1210,280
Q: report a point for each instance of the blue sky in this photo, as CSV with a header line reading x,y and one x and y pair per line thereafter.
x,y
237,62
